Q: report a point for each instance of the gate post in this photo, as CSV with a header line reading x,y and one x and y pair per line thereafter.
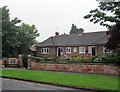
x,y
21,60
29,61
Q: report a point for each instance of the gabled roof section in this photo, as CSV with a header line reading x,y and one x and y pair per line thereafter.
x,y
92,38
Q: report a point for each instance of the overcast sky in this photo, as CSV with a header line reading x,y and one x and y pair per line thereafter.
x,y
50,16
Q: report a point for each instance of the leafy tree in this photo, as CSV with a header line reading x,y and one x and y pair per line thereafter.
x,y
74,29
16,39
9,42
26,37
108,15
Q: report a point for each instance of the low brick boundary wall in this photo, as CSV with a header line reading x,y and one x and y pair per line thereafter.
x,y
78,67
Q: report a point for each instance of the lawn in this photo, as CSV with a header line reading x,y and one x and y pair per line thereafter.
x,y
90,81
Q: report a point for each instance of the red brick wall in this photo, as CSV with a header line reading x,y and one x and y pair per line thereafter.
x,y
84,68
5,61
99,49
53,51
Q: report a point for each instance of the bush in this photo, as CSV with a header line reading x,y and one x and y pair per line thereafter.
x,y
45,59
37,59
48,59
105,58
76,60
60,60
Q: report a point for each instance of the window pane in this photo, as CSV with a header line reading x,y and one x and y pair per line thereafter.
x,y
82,49
75,49
47,50
42,50
68,49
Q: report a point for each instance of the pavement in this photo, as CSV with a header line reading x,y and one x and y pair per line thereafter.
x,y
11,84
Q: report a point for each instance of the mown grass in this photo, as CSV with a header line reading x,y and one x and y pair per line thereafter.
x,y
91,81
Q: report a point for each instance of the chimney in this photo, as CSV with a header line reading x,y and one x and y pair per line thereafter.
x,y
56,33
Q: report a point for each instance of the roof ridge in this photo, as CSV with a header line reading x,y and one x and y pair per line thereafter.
x,y
95,32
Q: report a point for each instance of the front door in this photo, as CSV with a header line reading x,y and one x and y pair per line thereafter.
x,y
59,51
93,51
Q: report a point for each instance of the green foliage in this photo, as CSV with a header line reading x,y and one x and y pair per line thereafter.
x,y
37,59
106,12
106,58
60,60
9,43
16,38
74,29
76,60
26,37
44,59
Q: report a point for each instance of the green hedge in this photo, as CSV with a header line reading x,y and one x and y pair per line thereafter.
x,y
103,58
78,60
37,59
60,60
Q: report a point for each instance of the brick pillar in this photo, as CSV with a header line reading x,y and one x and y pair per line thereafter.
x,y
21,60
29,61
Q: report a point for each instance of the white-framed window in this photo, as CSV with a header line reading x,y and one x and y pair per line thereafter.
x,y
45,51
68,49
81,49
75,49
12,61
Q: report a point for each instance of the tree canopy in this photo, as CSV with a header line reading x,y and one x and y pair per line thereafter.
x,y
16,36
74,29
108,14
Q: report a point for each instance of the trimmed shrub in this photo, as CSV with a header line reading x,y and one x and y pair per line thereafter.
x,y
37,59
106,58
48,59
76,60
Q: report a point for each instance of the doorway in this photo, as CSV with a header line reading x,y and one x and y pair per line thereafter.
x,y
93,51
59,51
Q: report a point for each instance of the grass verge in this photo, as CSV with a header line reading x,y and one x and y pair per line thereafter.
x,y
89,81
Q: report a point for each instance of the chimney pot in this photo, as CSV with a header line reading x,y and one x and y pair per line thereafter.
x,y
56,33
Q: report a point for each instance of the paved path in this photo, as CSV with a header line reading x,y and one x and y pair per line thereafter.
x,y
10,84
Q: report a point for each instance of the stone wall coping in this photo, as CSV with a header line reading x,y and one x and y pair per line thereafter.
x,y
76,63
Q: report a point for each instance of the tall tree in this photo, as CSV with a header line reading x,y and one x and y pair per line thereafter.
x,y
74,29
15,37
26,37
9,42
108,15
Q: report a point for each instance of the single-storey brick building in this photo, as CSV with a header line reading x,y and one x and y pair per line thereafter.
x,y
73,45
